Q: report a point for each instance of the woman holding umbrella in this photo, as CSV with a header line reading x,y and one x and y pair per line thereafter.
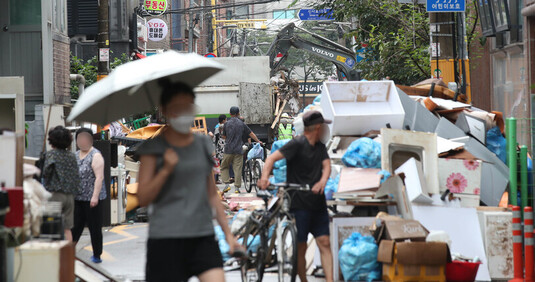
x,y
177,183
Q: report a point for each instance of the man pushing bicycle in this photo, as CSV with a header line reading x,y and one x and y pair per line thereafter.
x,y
307,164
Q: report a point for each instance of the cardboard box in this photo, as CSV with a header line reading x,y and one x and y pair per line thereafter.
x,y
401,230
413,261
460,176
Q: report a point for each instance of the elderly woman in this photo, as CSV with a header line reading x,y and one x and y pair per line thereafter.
x,y
60,175
87,206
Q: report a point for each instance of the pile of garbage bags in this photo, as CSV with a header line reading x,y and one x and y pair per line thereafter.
x,y
358,258
363,153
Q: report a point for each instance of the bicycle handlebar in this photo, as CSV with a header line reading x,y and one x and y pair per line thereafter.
x,y
289,186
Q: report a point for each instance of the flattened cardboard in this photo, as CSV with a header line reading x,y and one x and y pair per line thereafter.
x,y
357,179
460,155
415,181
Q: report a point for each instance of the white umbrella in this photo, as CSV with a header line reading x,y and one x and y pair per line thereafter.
x,y
134,87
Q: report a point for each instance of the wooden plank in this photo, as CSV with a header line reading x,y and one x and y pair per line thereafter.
x,y
279,114
357,179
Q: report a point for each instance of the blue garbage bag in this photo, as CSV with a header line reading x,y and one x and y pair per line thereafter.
x,y
222,241
317,99
277,145
358,258
331,187
385,175
257,152
253,242
279,175
363,153
496,143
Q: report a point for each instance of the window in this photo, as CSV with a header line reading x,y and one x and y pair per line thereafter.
x,y
242,12
25,12
508,83
515,8
500,14
284,14
487,22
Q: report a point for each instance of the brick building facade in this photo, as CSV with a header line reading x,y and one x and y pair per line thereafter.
x,y
61,66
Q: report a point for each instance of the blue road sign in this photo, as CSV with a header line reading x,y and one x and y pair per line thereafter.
x,y
446,5
316,15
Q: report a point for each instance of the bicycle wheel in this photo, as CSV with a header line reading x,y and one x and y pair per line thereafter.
x,y
256,174
247,176
288,266
252,270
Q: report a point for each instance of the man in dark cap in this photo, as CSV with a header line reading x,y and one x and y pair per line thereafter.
x,y
307,164
233,132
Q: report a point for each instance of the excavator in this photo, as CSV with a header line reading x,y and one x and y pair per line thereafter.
x,y
342,57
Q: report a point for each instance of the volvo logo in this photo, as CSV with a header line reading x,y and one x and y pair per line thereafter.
x,y
323,52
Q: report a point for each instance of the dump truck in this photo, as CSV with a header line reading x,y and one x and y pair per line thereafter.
x,y
245,83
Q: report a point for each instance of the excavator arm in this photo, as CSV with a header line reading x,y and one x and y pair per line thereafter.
x,y
342,57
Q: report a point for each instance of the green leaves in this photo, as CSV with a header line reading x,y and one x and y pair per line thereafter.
x,y
89,70
397,36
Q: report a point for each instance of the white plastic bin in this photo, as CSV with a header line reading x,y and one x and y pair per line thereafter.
x,y
356,107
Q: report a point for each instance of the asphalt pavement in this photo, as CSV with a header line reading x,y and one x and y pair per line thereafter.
x,y
124,253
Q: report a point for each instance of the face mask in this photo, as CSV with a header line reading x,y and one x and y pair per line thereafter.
x,y
182,124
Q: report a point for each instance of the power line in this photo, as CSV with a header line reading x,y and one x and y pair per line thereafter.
x,y
217,7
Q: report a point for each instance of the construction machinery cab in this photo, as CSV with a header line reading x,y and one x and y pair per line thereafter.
x,y
342,57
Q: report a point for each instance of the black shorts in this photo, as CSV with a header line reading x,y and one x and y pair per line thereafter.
x,y
315,222
180,259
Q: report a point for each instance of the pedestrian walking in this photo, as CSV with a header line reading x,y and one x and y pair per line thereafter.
x,y
88,207
307,164
60,175
219,143
177,183
233,133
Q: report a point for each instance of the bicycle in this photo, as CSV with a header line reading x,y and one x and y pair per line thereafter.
x,y
277,249
252,170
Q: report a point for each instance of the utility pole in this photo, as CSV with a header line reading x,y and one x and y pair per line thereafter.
x,y
103,38
190,32
214,28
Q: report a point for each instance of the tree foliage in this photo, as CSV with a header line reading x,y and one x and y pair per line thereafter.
x,y
313,67
89,70
396,35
